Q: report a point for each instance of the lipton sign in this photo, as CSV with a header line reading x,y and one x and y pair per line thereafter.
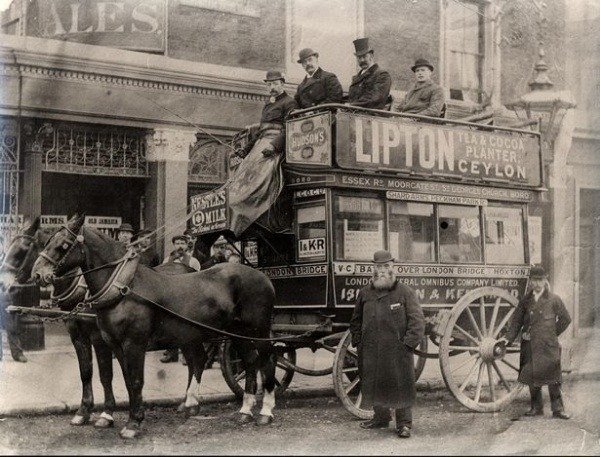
x,y
406,145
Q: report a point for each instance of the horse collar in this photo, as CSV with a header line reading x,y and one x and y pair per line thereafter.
x,y
117,285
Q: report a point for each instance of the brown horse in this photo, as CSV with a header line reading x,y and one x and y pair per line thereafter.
x,y
231,297
84,333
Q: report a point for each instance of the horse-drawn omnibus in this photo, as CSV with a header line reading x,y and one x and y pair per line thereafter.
x,y
449,199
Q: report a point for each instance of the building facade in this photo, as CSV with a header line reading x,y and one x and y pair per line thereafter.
x,y
116,109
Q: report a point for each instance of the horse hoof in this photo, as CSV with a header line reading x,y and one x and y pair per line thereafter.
x,y
264,420
182,408
103,422
79,420
193,411
244,418
128,433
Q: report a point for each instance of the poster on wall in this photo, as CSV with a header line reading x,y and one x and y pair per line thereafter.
x,y
535,239
106,224
361,244
311,248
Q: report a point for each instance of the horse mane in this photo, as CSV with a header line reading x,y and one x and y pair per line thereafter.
x,y
111,249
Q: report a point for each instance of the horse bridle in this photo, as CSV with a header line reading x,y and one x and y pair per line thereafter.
x,y
18,269
77,240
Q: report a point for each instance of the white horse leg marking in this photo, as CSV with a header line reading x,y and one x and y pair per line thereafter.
x,y
268,403
191,398
248,403
106,416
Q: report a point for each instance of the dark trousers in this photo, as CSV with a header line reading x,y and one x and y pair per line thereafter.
x,y
403,415
556,401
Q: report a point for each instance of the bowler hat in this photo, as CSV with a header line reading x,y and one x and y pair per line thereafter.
x,y
537,272
306,53
274,75
382,257
421,63
126,228
179,237
361,46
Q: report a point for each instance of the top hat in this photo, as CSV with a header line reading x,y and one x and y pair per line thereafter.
x,y
361,47
306,53
382,257
537,272
126,228
179,237
274,75
421,63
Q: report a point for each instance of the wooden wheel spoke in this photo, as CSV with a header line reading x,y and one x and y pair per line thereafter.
x,y
467,334
491,381
464,348
474,322
241,375
479,383
359,400
471,371
494,316
353,353
349,369
482,315
506,362
503,322
501,376
463,364
352,385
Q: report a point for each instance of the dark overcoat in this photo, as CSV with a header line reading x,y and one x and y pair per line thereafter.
x,y
426,99
322,87
544,320
370,89
277,109
384,322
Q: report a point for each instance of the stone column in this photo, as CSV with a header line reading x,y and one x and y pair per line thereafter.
x,y
166,194
31,199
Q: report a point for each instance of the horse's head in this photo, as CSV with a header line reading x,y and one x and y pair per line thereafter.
x,y
62,253
20,255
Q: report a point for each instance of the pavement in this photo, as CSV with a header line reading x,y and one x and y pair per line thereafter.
x,y
49,382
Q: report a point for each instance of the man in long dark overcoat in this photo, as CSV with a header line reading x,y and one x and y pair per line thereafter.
x,y
370,88
387,322
318,86
542,317
425,97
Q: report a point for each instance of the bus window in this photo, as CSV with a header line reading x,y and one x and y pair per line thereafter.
x,y
358,227
460,234
504,243
311,232
412,231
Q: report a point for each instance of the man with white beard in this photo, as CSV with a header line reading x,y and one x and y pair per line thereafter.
x,y
386,324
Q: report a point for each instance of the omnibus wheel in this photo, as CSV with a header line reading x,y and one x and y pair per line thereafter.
x,y
235,375
346,380
484,377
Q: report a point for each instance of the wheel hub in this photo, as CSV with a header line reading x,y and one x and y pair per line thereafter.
x,y
491,350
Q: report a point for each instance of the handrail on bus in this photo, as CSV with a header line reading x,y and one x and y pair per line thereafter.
x,y
384,113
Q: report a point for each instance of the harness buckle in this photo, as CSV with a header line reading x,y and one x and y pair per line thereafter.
x,y
125,290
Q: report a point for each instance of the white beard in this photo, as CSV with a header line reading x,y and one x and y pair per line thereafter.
x,y
383,282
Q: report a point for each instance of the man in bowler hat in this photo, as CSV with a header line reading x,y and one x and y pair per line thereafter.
x,y
318,86
425,97
542,317
125,233
386,324
370,88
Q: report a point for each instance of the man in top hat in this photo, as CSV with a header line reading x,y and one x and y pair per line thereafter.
x,y
370,88
426,97
542,317
318,86
125,233
257,181
386,324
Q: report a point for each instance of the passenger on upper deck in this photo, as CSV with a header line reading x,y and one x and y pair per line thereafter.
x,y
318,86
370,88
426,97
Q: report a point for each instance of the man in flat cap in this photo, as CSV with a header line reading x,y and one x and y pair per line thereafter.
x,y
257,181
370,88
125,233
389,321
425,97
542,317
181,253
318,86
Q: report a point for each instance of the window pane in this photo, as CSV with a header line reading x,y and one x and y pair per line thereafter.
x,y
460,236
504,242
311,232
358,227
412,228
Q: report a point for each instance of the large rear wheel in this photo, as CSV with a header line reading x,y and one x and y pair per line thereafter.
x,y
483,377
